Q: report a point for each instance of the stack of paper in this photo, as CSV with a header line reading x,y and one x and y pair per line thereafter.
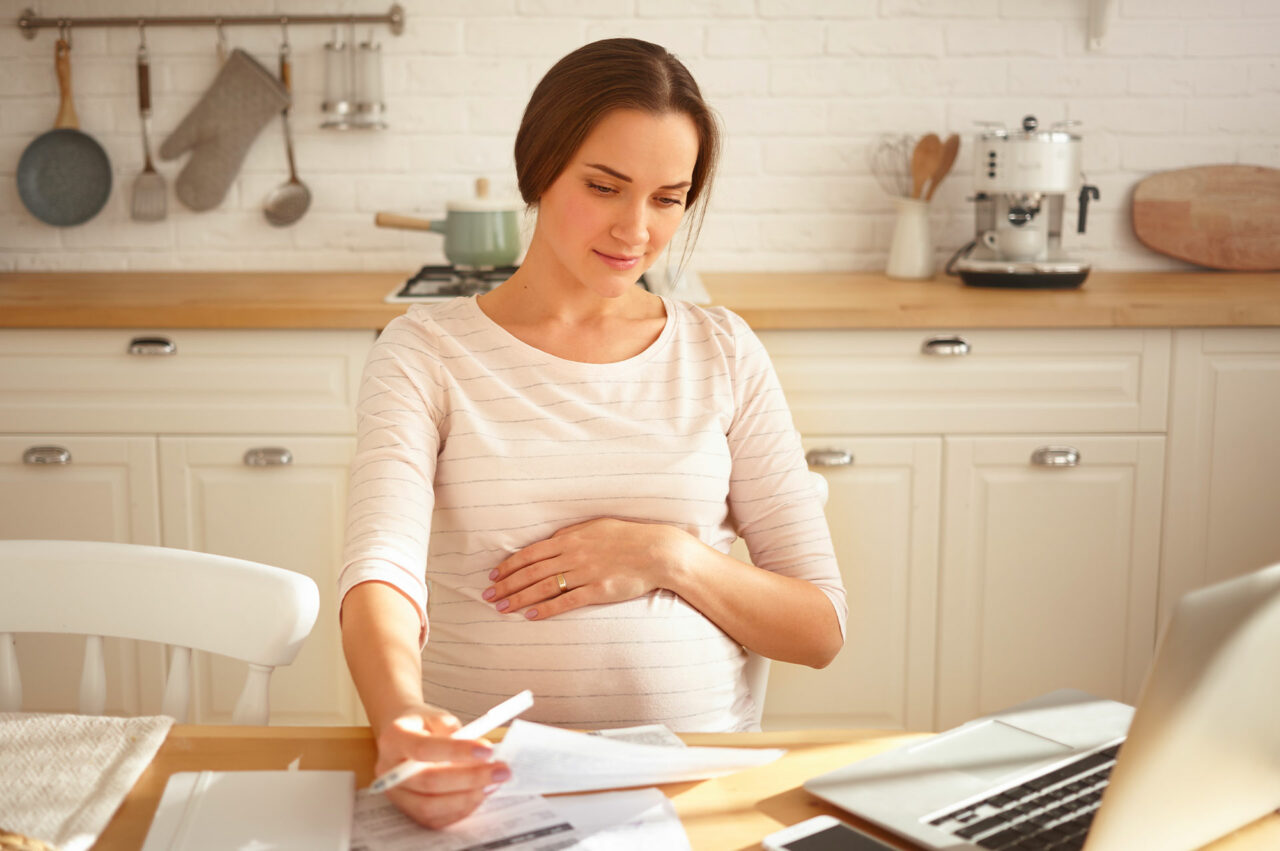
x,y
547,760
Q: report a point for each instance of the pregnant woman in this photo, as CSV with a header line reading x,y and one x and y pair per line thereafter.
x,y
549,476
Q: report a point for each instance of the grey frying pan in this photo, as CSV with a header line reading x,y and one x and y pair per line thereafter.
x,y
64,176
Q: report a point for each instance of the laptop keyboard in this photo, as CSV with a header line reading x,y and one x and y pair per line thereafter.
x,y
1051,811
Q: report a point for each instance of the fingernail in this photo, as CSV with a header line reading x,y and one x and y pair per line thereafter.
x,y
490,593
500,775
503,605
493,574
531,614
482,752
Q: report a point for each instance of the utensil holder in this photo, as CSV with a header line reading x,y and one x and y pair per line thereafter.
x,y
911,253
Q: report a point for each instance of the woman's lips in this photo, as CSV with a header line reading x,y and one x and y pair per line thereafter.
x,y
615,262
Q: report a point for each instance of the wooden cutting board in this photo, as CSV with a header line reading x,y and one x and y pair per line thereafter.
x,y
1220,216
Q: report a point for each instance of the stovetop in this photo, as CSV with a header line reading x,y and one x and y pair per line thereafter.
x,y
436,283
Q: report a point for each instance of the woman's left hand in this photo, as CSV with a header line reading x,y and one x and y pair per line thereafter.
x,y
602,561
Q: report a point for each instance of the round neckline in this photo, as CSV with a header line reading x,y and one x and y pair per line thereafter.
x,y
642,356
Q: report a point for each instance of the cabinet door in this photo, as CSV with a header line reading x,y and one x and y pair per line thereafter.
x,y
883,513
1224,459
86,489
289,515
1048,572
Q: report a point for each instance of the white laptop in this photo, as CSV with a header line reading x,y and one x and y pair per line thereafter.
x,y
1201,757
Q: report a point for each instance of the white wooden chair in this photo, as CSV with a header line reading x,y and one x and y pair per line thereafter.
x,y
756,670
184,599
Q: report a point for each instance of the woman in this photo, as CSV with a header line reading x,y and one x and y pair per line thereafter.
x,y
568,459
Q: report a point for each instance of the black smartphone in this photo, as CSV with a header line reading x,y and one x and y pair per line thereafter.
x,y
823,833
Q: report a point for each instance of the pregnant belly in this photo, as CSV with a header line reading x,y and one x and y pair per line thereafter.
x,y
654,659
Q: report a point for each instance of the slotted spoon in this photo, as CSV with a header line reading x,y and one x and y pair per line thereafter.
x,y
150,195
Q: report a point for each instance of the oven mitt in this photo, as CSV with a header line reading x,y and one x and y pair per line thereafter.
x,y
220,128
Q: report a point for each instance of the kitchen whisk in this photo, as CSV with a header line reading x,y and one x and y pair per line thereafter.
x,y
890,162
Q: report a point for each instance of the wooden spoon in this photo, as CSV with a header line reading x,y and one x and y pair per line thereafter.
x,y
924,161
945,160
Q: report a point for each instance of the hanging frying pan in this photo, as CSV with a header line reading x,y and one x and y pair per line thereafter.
x,y
64,176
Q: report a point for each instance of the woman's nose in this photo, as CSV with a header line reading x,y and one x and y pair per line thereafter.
x,y
632,227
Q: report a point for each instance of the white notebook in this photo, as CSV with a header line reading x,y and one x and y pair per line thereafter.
x,y
249,810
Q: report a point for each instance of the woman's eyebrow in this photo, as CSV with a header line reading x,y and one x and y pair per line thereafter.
x,y
620,176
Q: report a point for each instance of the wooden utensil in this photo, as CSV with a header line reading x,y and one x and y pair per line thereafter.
x,y
924,161
1221,216
946,159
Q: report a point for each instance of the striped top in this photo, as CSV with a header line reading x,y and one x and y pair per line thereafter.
x,y
473,444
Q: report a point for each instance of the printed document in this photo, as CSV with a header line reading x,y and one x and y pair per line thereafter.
x,y
638,820
547,760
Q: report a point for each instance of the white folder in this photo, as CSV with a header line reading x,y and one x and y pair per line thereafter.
x,y
244,810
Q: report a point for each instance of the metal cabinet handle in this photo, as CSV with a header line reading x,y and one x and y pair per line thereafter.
x,y
828,457
945,346
268,456
1056,456
47,455
152,346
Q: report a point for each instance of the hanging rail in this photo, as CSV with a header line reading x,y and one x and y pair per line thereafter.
x,y
29,22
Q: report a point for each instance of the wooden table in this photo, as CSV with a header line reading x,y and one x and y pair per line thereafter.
x,y
732,812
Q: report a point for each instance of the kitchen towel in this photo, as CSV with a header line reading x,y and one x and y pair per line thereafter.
x,y
62,777
220,128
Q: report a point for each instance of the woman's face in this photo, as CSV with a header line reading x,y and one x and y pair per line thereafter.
x,y
620,199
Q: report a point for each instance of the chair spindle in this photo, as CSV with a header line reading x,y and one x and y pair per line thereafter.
x,y
93,679
10,681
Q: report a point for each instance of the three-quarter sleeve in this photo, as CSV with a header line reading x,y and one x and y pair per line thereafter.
x,y
390,498
773,499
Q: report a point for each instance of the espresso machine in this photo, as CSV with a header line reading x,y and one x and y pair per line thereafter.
x,y
1021,178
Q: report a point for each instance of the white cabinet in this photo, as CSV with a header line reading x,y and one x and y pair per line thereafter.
x,y
995,578
161,429
884,525
1049,568
87,488
1224,459
286,510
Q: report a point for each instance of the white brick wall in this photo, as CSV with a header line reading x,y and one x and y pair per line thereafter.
x,y
804,88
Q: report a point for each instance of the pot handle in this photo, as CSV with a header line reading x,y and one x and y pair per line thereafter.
x,y
395,220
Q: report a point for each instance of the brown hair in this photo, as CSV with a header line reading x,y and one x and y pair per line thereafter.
x,y
590,82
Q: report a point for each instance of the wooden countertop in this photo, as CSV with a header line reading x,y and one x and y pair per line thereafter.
x,y
773,300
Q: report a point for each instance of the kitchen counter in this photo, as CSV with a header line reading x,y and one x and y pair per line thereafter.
x,y
773,300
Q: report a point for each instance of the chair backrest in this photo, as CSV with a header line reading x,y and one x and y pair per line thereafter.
x,y
756,669
187,600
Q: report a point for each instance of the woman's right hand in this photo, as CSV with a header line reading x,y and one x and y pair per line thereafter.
x,y
456,782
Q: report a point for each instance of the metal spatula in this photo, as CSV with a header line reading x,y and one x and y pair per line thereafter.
x,y
150,195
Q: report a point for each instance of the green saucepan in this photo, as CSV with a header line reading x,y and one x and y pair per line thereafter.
x,y
479,232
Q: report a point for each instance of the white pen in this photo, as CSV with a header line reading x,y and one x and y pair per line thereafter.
x,y
482,726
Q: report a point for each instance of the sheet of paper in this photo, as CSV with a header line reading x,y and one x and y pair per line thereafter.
x,y
547,760
635,820
516,822
645,734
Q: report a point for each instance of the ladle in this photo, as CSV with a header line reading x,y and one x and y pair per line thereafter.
x,y
289,201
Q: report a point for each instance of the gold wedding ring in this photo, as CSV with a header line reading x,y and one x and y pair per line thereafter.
x,y
564,586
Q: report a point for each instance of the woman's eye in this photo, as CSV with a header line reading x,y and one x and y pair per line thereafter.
x,y
602,190
671,202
